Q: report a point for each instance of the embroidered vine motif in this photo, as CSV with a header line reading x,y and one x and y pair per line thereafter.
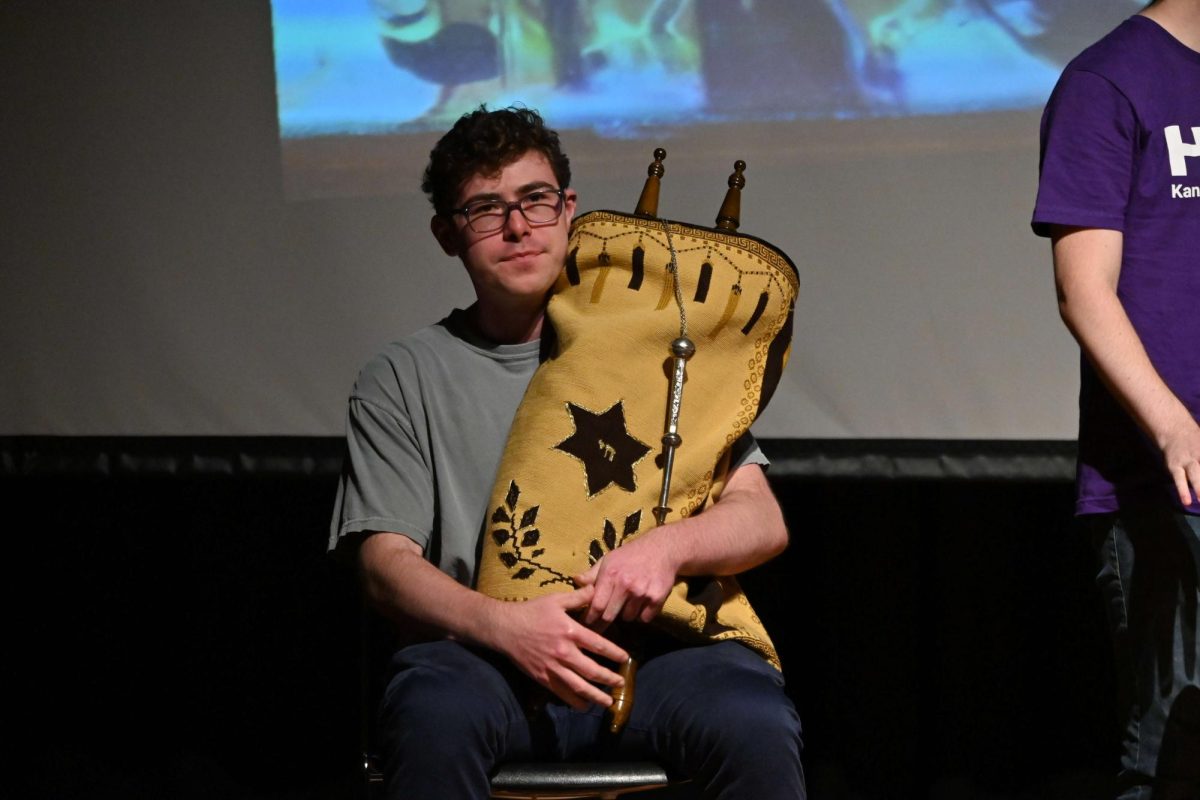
x,y
519,536
609,541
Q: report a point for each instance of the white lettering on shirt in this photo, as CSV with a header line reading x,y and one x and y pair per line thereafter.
x,y
1178,190
1179,151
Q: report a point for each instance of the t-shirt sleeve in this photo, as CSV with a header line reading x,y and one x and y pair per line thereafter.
x,y
387,481
746,451
1089,137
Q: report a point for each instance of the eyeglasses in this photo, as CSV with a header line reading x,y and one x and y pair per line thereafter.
x,y
538,207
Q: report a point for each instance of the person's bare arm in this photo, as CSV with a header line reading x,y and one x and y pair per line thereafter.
x,y
539,636
741,530
1087,264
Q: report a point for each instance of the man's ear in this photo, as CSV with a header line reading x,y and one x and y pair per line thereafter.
x,y
569,200
445,233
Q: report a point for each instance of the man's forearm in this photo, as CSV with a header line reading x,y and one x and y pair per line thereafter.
x,y
406,588
743,529
1087,265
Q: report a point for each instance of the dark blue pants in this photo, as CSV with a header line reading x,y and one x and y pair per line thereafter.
x,y
1150,559
716,713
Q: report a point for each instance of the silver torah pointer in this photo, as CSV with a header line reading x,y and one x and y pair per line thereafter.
x,y
682,349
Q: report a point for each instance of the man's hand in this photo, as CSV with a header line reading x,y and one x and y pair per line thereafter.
x,y
741,529
631,582
539,635
1181,452
548,645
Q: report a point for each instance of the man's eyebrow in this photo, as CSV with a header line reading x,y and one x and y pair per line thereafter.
x,y
521,192
533,187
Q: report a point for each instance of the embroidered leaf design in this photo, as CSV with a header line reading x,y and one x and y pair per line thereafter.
x,y
595,552
514,538
632,523
610,535
529,517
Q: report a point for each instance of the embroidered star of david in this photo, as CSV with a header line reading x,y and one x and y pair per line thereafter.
x,y
602,442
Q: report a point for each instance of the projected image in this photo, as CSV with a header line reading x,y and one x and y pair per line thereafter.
x,y
620,67
365,66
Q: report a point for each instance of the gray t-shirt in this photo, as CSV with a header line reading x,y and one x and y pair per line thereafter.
x,y
426,429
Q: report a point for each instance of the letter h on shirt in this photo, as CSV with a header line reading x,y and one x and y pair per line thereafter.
x,y
1179,151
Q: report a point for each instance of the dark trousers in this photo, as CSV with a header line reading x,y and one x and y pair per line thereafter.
x,y
715,713
1150,559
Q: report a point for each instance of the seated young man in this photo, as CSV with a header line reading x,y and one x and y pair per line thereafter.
x,y
428,422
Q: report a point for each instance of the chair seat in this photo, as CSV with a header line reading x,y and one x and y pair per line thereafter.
x,y
563,781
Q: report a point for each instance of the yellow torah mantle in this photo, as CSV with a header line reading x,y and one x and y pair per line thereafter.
x,y
583,468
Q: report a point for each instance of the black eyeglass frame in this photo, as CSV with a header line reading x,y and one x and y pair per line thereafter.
x,y
515,205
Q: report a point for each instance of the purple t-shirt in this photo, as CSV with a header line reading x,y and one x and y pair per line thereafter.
x,y
1121,150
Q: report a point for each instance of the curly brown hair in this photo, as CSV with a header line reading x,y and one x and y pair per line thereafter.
x,y
483,142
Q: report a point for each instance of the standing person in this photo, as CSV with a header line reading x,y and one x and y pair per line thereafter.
x,y
428,421
1120,199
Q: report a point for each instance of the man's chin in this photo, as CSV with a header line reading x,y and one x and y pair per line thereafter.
x,y
530,273
524,283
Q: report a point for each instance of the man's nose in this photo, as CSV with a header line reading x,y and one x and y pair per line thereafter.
x,y
515,224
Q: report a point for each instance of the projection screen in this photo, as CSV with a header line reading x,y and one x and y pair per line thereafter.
x,y
213,215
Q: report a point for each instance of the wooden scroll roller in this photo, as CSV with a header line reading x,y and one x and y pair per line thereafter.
x,y
605,440
647,204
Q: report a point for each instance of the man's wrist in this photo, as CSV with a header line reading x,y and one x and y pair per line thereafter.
x,y
668,546
485,622
1176,421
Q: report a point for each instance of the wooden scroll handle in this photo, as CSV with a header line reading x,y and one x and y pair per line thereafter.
x,y
622,697
647,205
730,215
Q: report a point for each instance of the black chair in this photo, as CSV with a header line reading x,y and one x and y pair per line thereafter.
x,y
562,781
556,780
